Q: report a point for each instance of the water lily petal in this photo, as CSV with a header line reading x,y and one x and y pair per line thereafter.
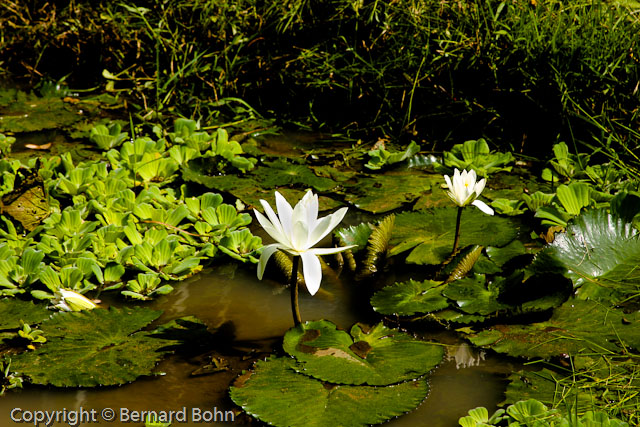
x,y
483,207
480,186
273,218
267,251
329,251
300,236
275,233
448,181
312,207
325,225
312,271
285,211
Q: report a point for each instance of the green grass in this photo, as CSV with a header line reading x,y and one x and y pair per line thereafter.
x,y
518,73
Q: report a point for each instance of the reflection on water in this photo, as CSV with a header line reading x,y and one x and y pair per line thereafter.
x,y
253,315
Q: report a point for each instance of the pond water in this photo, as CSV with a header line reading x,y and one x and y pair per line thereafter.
x,y
250,317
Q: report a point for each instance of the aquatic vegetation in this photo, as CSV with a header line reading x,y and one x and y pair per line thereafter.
x,y
366,355
331,368
92,348
296,230
272,392
8,379
380,157
476,156
533,412
599,253
429,234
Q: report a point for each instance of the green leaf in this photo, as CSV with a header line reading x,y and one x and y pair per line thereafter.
x,y
91,348
475,154
430,234
574,197
575,327
355,235
474,296
601,254
13,310
409,298
379,356
274,393
383,193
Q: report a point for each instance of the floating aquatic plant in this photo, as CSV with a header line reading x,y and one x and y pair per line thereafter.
x,y
296,231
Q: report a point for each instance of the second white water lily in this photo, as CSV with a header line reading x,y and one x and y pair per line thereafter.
x,y
464,190
296,230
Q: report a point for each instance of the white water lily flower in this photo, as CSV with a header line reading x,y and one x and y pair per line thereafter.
x,y
297,230
464,190
73,301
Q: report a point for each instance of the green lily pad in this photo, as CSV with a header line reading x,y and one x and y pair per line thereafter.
x,y
274,393
27,113
501,255
91,348
409,298
430,234
601,254
473,296
575,327
281,173
250,190
379,356
13,310
384,193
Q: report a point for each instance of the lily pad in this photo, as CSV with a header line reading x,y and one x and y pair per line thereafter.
x,y
575,327
384,193
274,393
409,298
91,348
600,252
429,234
379,356
13,310
281,173
27,112
474,296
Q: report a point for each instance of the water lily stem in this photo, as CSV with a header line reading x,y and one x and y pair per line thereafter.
x,y
457,238
295,308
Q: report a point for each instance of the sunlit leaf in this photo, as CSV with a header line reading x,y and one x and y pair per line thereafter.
x,y
376,356
274,393
91,348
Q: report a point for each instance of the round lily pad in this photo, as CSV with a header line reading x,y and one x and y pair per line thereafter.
x,y
376,356
13,310
274,393
409,298
430,234
91,348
